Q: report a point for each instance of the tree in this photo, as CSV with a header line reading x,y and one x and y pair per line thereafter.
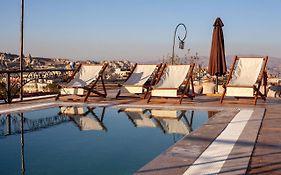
x,y
53,88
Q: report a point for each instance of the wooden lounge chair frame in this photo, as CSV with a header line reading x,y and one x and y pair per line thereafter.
x,y
262,78
188,81
89,88
144,86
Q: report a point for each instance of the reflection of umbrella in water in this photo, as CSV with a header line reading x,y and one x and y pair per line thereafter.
x,y
217,64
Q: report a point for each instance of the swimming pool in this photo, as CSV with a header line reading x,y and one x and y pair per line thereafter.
x,y
90,140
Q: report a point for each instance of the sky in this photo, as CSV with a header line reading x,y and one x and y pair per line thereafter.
x,y
138,30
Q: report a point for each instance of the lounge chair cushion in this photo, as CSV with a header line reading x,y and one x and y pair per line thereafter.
x,y
241,92
73,91
132,89
164,92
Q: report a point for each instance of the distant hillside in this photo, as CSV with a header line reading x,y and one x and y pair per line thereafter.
x,y
273,65
8,60
273,62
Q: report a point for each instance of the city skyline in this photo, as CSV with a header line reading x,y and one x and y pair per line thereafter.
x,y
140,30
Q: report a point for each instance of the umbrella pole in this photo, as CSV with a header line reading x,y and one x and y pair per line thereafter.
x,y
217,84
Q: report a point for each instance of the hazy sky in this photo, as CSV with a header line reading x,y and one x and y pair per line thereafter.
x,y
138,29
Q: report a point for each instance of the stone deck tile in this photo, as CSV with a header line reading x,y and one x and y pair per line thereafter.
x,y
266,158
180,156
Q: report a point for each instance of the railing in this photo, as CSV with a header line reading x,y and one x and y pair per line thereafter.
x,y
10,124
11,80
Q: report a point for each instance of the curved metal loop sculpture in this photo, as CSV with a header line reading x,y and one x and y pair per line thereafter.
x,y
181,43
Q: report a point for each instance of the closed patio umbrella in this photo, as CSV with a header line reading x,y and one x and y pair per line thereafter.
x,y
217,64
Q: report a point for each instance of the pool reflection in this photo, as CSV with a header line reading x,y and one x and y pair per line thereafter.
x,y
84,118
169,121
87,119
81,137
11,124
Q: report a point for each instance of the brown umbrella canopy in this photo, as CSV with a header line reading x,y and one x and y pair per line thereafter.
x,y
217,64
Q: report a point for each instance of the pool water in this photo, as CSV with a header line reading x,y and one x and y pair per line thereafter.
x,y
76,140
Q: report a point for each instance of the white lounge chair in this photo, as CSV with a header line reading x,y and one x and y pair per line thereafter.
x,y
175,81
85,78
137,81
247,77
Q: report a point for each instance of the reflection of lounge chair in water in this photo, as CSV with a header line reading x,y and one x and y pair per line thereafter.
x,y
139,117
173,123
85,120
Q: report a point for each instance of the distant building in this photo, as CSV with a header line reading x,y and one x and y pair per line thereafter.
x,y
121,73
40,86
274,81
